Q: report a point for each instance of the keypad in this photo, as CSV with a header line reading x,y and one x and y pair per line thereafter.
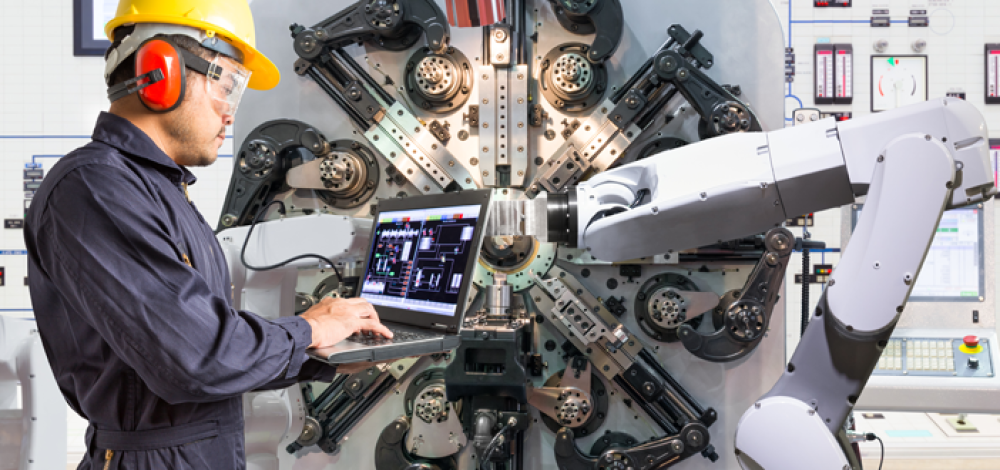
x,y
398,336
932,357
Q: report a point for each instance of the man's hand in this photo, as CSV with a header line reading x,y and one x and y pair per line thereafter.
x,y
333,320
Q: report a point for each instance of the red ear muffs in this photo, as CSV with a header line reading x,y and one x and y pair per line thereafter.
x,y
161,54
159,76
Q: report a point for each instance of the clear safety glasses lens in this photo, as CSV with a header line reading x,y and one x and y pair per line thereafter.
x,y
228,89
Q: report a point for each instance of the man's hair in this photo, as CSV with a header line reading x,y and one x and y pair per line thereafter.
x,y
126,69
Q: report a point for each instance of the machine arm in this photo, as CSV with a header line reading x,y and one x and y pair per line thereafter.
x,y
283,154
394,24
602,140
621,358
725,188
602,18
388,126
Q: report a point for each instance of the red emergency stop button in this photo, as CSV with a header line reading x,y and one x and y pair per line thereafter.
x,y
970,345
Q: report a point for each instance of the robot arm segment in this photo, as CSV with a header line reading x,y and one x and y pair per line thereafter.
x,y
394,24
746,313
724,188
603,18
283,154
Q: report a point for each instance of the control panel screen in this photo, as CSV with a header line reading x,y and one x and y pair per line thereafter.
x,y
953,267
953,270
418,258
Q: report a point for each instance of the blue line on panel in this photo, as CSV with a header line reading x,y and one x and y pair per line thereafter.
x,y
33,157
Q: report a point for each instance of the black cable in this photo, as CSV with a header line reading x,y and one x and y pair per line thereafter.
x,y
243,252
805,290
638,197
805,275
882,457
492,447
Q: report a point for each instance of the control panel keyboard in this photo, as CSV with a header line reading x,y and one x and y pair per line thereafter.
x,y
944,357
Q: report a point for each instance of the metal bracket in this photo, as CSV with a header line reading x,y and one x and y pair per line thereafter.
x,y
746,314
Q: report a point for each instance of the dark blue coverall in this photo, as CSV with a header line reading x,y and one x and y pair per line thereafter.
x,y
132,298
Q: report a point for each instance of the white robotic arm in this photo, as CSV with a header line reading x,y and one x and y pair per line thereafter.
x,y
912,163
731,186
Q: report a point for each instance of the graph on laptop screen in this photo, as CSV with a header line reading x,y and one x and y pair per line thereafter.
x,y
418,258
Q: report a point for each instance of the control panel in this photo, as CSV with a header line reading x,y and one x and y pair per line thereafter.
x,y
968,356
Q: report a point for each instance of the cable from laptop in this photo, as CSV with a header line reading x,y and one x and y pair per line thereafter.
x,y
281,210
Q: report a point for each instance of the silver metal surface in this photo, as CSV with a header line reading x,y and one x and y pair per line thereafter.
x,y
488,127
518,142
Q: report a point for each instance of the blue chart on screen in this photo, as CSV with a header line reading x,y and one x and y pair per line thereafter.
x,y
418,258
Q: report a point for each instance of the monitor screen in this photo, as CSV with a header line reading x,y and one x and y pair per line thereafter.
x,y
953,267
953,270
418,258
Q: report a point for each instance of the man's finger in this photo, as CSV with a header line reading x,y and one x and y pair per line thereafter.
x,y
377,327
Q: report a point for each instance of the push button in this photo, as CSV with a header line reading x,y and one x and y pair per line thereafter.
x,y
970,345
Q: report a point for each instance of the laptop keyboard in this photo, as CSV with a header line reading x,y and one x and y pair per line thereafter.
x,y
398,336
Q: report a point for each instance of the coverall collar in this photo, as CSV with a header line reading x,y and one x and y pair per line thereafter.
x,y
121,134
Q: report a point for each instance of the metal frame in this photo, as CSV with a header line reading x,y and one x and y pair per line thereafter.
x,y
84,44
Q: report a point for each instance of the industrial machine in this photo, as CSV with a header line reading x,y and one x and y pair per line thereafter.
x,y
628,312
28,392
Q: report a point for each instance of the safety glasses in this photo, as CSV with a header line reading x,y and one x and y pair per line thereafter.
x,y
225,84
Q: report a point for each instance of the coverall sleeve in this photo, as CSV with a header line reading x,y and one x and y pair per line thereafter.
x,y
104,238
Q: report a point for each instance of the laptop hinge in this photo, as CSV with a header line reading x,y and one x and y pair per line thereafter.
x,y
438,326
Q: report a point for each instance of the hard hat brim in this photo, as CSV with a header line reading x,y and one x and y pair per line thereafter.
x,y
264,74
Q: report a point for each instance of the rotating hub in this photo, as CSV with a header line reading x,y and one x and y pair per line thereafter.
x,y
258,161
570,81
582,411
439,83
660,310
430,405
746,321
349,173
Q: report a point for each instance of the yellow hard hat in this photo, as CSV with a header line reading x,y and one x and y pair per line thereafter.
x,y
229,20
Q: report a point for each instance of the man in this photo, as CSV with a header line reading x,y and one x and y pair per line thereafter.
x,y
130,289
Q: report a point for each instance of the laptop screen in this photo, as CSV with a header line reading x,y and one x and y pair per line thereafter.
x,y
418,258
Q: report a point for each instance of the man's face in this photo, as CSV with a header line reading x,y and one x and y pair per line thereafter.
x,y
198,125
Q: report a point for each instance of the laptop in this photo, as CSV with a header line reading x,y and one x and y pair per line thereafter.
x,y
419,267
